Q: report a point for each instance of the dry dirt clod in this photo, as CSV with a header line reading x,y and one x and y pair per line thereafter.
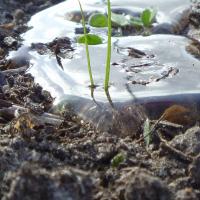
x,y
34,182
167,149
143,186
189,142
194,171
186,194
194,46
195,14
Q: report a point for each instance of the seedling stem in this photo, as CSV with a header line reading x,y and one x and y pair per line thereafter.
x,y
86,47
107,75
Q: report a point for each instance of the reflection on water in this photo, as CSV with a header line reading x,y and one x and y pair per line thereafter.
x,y
172,16
171,71
148,74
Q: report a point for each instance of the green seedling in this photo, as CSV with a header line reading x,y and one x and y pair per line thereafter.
x,y
86,47
98,20
119,20
145,20
92,39
147,132
108,57
147,17
128,20
117,160
135,21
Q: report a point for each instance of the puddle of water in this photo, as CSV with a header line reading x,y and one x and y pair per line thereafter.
x,y
164,53
169,72
172,11
154,71
51,23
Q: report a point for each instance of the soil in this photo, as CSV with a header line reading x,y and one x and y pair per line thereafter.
x,y
49,156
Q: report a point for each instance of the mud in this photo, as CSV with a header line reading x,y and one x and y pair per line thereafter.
x,y
48,156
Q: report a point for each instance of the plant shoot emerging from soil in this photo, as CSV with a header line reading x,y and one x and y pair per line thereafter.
x,y
117,160
145,20
107,74
101,20
86,47
95,39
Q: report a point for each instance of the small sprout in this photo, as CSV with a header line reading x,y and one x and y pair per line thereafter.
x,y
148,16
147,132
108,56
119,19
145,20
98,20
135,21
86,46
92,39
117,160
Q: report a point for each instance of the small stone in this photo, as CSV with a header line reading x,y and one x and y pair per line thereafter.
x,y
164,28
9,41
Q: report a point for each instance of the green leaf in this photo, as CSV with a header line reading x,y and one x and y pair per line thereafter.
x,y
117,160
98,20
147,132
92,39
148,16
135,21
119,20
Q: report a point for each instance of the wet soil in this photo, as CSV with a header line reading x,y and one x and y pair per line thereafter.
x,y
49,156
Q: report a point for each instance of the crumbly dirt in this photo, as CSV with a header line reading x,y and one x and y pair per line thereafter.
x,y
48,156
